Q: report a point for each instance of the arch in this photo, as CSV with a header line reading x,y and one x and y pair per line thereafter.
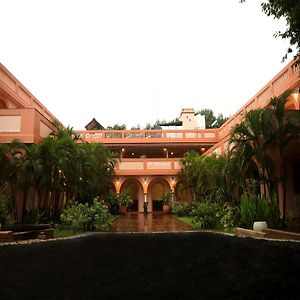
x,y
3,104
136,193
290,105
156,188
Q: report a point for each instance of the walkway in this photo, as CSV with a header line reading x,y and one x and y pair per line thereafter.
x,y
153,222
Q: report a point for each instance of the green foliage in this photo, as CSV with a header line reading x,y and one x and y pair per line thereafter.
x,y
34,216
113,203
117,127
181,209
265,131
64,232
57,167
211,178
256,208
166,198
86,216
5,208
207,214
155,126
124,198
212,121
290,11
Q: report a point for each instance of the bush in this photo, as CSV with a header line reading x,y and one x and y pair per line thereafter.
x,y
86,216
256,208
5,208
181,209
214,215
113,204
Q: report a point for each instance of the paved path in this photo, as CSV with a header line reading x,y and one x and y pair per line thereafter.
x,y
153,222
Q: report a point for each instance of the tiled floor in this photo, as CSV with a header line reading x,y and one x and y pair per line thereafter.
x,y
153,222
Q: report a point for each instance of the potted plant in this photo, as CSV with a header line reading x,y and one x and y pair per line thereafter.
x,y
124,201
166,198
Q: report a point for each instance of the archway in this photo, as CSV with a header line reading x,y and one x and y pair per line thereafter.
x,y
291,104
136,193
157,187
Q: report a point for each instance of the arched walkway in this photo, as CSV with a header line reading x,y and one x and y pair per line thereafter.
x,y
157,187
136,193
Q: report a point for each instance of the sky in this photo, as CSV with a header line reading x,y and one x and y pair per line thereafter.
x,y
136,61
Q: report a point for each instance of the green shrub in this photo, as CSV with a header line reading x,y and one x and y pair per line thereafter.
x,y
113,204
181,209
34,216
5,208
256,208
214,215
206,214
86,216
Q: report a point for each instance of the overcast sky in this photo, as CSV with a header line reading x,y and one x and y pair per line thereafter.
x,y
133,62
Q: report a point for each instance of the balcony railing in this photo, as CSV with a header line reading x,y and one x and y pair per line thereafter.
x,y
287,79
146,136
148,166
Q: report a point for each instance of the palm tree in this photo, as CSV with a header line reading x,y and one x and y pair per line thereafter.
x,y
262,134
11,159
250,145
283,126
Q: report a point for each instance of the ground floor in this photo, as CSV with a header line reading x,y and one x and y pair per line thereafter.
x,y
150,189
152,222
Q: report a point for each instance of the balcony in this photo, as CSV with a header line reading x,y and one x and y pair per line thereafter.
x,y
148,166
111,137
26,125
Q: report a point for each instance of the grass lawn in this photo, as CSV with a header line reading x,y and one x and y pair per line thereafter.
x,y
64,232
189,221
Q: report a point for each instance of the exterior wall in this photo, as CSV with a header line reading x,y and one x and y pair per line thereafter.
x,y
26,125
188,119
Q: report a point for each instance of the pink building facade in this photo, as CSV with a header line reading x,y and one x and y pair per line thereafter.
x,y
149,159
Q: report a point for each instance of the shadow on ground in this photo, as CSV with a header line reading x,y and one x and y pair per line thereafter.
x,y
151,266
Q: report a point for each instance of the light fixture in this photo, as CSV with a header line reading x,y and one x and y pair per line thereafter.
x,y
132,153
165,149
172,153
123,149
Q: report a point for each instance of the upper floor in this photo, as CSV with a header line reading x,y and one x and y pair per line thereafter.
x,y
24,118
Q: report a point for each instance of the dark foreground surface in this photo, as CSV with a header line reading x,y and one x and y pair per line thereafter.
x,y
151,266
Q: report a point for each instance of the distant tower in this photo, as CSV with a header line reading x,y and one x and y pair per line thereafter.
x,y
187,117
